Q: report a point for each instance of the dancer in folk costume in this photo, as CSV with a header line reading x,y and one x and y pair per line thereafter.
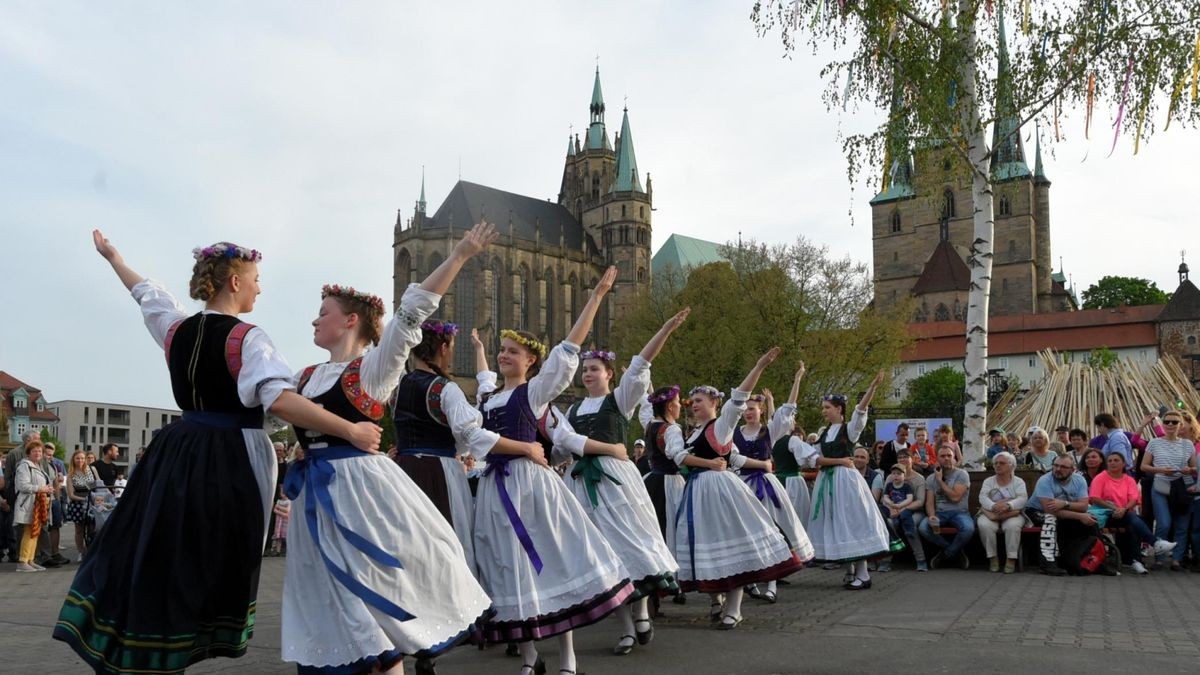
x,y
148,599
610,487
845,525
755,442
375,572
724,536
546,566
659,415
788,449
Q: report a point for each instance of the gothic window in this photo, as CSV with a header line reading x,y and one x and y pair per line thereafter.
x,y
525,311
1191,340
641,277
948,204
1012,247
595,186
403,268
946,165
941,313
606,214
497,316
572,297
465,286
622,210
1004,284
895,256
642,212
551,292
896,220
434,261
1005,208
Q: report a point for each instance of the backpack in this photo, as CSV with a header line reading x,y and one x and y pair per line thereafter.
x,y
1094,554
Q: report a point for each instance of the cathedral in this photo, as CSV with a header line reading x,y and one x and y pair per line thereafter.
x,y
922,225
550,255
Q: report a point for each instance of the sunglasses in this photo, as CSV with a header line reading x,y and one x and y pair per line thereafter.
x,y
1170,422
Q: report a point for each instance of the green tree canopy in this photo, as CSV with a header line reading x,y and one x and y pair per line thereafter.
x,y
1114,291
938,391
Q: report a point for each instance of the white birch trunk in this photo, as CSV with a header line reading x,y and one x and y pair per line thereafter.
x,y
980,260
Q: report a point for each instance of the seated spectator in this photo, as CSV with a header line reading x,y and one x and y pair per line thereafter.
x,y
996,443
946,491
1062,434
1000,502
1078,444
1116,491
1115,438
1171,460
1039,456
877,455
945,436
1059,505
897,496
1015,444
922,453
1092,465
916,510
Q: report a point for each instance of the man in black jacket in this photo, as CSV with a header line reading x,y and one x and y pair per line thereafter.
x,y
887,458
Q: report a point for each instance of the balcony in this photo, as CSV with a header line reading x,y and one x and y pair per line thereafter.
x,y
118,418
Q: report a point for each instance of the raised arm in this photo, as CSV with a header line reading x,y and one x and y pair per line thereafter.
x,y
870,394
109,252
481,362
475,240
756,372
583,324
655,345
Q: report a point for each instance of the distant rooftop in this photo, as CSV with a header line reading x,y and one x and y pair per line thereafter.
x,y
683,253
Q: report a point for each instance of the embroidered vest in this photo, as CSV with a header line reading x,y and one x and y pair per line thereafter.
x,y
606,425
420,420
656,449
757,448
705,444
346,399
204,355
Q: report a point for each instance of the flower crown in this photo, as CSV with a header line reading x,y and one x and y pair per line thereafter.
x,y
528,343
665,396
835,398
440,327
348,292
223,250
598,354
711,392
758,398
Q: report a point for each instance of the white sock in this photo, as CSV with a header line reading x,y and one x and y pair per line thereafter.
x,y
860,571
641,609
566,651
733,602
529,653
773,587
625,616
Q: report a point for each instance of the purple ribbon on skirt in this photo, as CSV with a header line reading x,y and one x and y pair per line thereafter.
x,y
757,479
497,465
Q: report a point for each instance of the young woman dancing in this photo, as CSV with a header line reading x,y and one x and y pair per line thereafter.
x,y
374,571
724,537
845,526
610,487
171,579
546,566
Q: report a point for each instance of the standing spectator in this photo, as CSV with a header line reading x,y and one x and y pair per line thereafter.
x,y
887,457
1001,499
1039,456
1170,459
1093,465
119,485
106,468
81,479
876,454
946,493
7,546
1077,445
282,510
1120,494
281,467
996,443
916,510
1062,434
91,458
945,437
1116,439
924,455
639,456
34,491
1059,505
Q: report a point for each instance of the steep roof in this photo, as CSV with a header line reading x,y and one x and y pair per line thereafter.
x,y
9,384
1184,304
468,203
944,271
682,253
627,172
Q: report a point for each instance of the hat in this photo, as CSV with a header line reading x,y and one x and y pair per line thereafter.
x,y
639,442
1062,427
997,430
897,469
1032,429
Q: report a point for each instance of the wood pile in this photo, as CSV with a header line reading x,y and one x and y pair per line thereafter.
x,y
1072,393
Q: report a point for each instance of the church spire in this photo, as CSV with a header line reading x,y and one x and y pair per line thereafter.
x,y
627,172
1008,153
421,200
1039,173
597,136
898,170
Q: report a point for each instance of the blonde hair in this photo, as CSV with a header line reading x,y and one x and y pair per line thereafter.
x,y
211,273
1058,448
71,467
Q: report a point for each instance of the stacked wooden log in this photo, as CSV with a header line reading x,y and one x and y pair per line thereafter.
x,y
1073,392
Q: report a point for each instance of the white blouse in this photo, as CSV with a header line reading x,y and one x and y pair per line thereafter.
x,y
807,454
631,392
724,427
552,380
264,375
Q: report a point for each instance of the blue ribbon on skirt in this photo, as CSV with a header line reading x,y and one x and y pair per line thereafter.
x,y
449,453
312,475
497,465
685,506
757,479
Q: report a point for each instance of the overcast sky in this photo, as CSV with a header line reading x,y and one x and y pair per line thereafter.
x,y
300,128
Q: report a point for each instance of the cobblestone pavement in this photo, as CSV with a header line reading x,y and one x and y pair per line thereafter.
x,y
941,621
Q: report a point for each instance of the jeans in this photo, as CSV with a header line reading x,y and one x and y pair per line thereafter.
x,y
1170,527
956,519
1138,530
1195,529
905,525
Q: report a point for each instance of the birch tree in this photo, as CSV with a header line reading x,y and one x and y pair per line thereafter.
x,y
946,70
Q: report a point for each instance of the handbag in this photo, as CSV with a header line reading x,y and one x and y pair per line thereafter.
x,y
1101,515
1179,499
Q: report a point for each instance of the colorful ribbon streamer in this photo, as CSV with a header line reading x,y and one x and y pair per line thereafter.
x,y
1121,109
1025,11
1091,93
1196,67
849,80
1175,98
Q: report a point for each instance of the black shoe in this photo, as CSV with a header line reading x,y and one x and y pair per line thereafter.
x,y
425,667
50,563
622,648
11,558
538,667
644,636
964,561
1050,569
729,622
679,599
858,585
512,650
771,597
753,591
60,559
937,561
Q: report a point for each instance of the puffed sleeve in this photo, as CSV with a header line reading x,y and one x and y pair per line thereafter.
x,y
674,447
731,412
466,423
635,384
265,374
563,435
735,458
782,422
645,413
806,455
160,309
554,377
383,366
858,422
486,382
